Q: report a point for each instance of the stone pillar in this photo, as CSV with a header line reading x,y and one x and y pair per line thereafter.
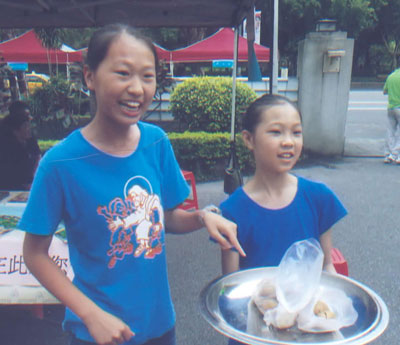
x,y
324,73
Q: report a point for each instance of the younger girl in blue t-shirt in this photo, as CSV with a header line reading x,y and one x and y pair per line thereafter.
x,y
276,208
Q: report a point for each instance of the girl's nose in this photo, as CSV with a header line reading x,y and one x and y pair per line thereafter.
x,y
288,140
135,85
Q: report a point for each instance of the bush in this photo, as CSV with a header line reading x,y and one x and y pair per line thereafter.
x,y
380,59
45,145
204,103
207,154
54,106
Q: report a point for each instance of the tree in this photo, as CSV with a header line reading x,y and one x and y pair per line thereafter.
x,y
6,34
353,16
52,38
388,27
173,38
77,38
298,17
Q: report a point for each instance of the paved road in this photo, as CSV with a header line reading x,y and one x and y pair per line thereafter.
x,y
368,237
366,123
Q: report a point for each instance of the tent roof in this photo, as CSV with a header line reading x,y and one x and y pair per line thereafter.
x,y
219,46
162,53
28,48
139,13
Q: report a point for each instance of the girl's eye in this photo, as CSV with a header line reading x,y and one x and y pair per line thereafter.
x,y
149,76
297,132
122,73
274,131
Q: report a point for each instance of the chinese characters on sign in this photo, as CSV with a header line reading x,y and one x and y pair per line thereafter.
x,y
15,264
13,270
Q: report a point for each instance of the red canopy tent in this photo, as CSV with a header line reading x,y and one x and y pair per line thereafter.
x,y
218,46
28,48
162,53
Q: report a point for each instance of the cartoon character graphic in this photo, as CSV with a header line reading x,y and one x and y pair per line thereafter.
x,y
140,215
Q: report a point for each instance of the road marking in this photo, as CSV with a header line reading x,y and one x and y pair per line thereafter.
x,y
368,102
364,109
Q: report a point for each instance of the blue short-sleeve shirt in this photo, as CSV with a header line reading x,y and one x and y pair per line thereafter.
x,y
266,234
113,211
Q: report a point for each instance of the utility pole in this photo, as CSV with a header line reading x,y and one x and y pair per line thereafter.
x,y
274,61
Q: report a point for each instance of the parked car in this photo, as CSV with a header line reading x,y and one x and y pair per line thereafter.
x,y
35,80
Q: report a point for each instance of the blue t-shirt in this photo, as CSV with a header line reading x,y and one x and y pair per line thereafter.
x,y
266,234
112,208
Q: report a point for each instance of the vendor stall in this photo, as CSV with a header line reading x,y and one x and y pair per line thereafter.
x,y
17,285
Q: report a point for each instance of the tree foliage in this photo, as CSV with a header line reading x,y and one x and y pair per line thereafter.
x,y
52,38
298,17
388,27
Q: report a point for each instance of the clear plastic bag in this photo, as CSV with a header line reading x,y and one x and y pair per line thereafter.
x,y
299,274
264,297
296,289
339,304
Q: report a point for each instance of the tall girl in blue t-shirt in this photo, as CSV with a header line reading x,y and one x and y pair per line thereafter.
x,y
276,208
116,186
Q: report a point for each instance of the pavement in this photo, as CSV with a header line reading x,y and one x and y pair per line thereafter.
x,y
368,237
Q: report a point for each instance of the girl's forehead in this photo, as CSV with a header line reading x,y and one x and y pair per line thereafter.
x,y
280,112
126,45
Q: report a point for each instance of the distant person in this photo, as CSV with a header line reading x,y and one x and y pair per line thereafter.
x,y
392,144
19,150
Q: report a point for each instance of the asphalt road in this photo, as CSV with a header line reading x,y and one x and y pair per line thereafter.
x,y
368,237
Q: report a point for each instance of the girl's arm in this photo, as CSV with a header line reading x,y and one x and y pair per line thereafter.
x,y
326,244
229,261
220,229
105,328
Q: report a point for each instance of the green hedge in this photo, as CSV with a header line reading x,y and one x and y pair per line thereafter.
x,y
205,154
44,145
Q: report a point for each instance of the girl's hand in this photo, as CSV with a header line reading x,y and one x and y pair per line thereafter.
x,y
330,268
106,329
222,230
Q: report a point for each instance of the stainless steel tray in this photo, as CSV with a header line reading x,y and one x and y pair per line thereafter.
x,y
224,301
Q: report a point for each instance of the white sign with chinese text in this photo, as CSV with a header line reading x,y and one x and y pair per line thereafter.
x,y
13,270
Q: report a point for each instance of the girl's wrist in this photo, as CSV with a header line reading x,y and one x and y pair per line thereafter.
x,y
209,208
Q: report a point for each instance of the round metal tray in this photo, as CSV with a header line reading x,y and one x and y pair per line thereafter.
x,y
224,304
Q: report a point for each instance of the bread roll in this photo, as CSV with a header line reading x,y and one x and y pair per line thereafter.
x,y
265,303
284,319
321,309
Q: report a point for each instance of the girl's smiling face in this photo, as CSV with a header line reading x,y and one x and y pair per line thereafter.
x,y
277,140
124,82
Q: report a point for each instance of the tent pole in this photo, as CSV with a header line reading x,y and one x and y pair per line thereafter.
x,y
171,65
234,72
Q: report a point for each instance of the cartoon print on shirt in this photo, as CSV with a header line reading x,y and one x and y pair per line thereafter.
x,y
139,214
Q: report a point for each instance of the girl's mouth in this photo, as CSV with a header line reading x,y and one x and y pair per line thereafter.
x,y
130,107
286,155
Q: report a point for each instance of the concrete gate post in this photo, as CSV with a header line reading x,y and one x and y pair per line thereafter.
x,y
324,72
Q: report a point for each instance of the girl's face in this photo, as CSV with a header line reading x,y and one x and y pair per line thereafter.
x,y
125,81
277,140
